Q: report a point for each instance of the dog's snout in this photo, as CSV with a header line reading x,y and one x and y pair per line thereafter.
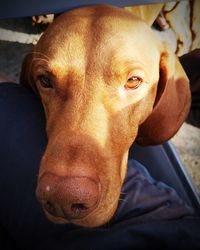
x,y
68,197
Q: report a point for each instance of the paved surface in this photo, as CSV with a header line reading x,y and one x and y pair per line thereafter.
x,y
13,47
187,143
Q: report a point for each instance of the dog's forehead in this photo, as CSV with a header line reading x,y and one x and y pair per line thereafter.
x,y
92,34
97,24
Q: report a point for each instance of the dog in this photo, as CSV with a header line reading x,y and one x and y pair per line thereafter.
x,y
105,80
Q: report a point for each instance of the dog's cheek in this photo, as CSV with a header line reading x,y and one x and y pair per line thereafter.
x,y
123,129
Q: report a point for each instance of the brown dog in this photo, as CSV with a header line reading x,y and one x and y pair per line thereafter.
x,y
104,80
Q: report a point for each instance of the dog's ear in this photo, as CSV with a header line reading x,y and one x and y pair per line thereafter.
x,y
26,78
172,102
148,13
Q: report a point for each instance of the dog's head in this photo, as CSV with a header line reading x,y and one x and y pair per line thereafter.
x,y
104,80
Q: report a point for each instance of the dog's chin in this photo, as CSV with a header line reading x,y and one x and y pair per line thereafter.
x,y
95,219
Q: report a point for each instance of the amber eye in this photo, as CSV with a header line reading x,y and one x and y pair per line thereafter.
x,y
45,81
133,82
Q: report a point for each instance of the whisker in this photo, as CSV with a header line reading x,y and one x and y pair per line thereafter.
x,y
41,59
40,53
123,200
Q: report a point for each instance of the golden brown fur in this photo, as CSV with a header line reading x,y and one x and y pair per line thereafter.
x,y
92,116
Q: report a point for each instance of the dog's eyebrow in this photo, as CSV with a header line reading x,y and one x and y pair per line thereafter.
x,y
125,67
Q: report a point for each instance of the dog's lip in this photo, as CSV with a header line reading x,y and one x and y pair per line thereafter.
x,y
55,219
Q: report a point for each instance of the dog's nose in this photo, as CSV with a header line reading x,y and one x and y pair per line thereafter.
x,y
71,197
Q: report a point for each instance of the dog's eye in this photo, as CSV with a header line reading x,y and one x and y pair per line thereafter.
x,y
133,82
45,82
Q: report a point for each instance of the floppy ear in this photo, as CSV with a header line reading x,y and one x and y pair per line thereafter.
x,y
26,78
172,103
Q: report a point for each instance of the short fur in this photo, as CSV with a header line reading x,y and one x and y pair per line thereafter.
x,y
92,119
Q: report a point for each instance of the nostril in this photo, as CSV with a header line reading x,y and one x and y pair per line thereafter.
x,y
49,207
78,208
52,209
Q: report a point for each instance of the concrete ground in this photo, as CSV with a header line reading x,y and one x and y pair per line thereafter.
x,y
16,38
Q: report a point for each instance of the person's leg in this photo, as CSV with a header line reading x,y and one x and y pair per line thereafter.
x,y
23,141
